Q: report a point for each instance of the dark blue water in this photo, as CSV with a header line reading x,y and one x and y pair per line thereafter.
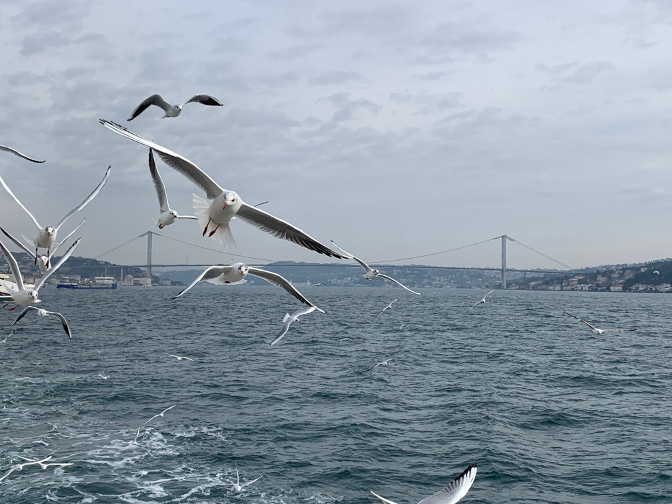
x,y
548,411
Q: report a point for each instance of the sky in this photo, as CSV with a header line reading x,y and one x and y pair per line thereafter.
x,y
396,129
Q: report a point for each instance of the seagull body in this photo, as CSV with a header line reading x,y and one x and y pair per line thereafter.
x,y
181,358
103,377
47,235
42,261
172,110
287,321
384,363
451,493
482,301
43,313
597,330
238,487
168,215
370,274
215,212
238,271
386,308
22,295
17,153
159,415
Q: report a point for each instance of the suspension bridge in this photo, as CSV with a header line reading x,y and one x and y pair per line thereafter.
x,y
148,265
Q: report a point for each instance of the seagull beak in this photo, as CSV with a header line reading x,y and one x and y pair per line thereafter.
x,y
225,205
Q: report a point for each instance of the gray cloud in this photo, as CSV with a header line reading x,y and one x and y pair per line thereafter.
x,y
587,73
335,77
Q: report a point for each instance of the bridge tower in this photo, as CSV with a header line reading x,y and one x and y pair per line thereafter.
x,y
149,256
504,238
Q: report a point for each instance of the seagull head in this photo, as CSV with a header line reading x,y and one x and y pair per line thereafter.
x,y
243,269
42,263
230,198
42,312
173,213
33,295
376,272
51,230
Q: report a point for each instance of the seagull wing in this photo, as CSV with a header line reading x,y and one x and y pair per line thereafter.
x,y
23,313
187,217
350,256
398,283
372,367
53,269
282,282
54,249
175,161
88,198
386,501
488,294
13,265
204,99
20,204
587,323
30,253
14,151
208,274
250,482
64,322
620,330
155,99
455,490
158,184
281,229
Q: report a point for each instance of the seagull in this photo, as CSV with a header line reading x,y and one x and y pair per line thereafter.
x,y
237,271
173,110
483,300
42,261
402,325
287,321
384,363
168,216
103,377
451,494
238,487
47,235
386,308
20,294
21,466
5,340
372,273
159,415
181,358
344,339
597,330
225,204
14,151
43,313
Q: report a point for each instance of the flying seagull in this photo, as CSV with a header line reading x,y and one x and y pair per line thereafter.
x,y
237,272
43,313
225,204
238,487
10,334
372,273
167,216
287,321
14,151
384,363
47,235
597,330
180,358
483,300
173,110
159,415
451,494
21,295
42,261
21,466
386,308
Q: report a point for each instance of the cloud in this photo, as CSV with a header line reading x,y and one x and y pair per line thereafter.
x,y
335,77
449,39
587,73
40,42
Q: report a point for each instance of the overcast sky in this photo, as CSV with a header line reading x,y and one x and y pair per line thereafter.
x,y
393,129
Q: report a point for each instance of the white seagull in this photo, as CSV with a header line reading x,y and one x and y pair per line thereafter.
x,y
159,415
386,308
103,377
43,313
596,330
5,340
238,487
482,301
452,493
21,466
372,273
180,358
237,272
42,261
173,110
384,363
14,151
47,235
225,204
22,295
287,321
168,215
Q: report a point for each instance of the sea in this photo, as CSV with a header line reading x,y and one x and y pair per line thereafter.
x,y
548,411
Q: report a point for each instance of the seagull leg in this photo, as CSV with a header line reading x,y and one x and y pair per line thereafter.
x,y
14,308
213,231
47,258
204,231
35,255
5,305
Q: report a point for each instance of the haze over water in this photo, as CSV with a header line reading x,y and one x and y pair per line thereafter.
x,y
548,411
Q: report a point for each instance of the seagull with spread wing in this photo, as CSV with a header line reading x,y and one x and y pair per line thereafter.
x,y
168,215
17,153
386,308
172,110
47,235
482,301
451,493
237,486
294,317
43,313
370,274
597,330
216,214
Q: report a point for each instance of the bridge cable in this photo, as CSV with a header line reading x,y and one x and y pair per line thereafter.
x,y
119,246
213,250
437,253
540,253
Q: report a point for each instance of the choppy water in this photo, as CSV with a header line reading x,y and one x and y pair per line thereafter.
x,y
548,411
